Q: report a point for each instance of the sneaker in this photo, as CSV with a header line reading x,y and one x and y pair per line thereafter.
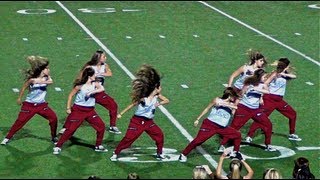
x,y
56,150
62,130
294,137
114,157
182,158
55,140
114,129
270,149
221,148
248,139
160,156
5,141
100,148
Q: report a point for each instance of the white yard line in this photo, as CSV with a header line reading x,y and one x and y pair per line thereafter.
x,y
261,33
164,110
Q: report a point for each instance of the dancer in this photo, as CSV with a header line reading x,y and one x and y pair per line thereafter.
x,y
249,107
102,70
146,90
83,109
37,80
217,122
257,60
235,167
277,83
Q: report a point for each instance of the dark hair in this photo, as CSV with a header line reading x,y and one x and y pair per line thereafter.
x,y
282,64
301,169
285,60
256,55
255,78
95,58
84,76
147,80
229,91
93,177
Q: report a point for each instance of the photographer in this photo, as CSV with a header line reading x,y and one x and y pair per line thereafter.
x,y
235,167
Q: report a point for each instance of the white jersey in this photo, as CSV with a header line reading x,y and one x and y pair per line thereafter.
x,y
148,109
99,71
220,115
37,93
251,98
81,98
248,71
278,86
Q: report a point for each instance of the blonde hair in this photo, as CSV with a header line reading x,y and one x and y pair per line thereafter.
x,y
272,174
235,167
199,173
38,64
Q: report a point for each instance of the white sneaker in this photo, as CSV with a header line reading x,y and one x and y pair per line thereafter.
x,y
100,148
221,149
56,150
160,156
270,149
114,157
62,130
5,141
294,137
114,129
248,139
182,158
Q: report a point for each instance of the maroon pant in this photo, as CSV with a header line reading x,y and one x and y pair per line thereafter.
x,y
243,114
272,102
75,119
28,110
136,127
110,104
207,130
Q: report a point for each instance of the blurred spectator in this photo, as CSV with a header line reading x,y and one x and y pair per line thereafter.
x,y
93,177
301,169
202,172
133,176
235,167
271,173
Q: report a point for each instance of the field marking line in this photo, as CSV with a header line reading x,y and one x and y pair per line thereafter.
x,y
164,110
261,33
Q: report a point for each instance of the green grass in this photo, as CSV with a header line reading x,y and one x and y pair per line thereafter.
x,y
203,63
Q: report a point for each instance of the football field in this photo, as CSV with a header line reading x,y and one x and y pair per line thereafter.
x,y
195,45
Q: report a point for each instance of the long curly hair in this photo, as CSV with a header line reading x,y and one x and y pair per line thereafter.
x,y
95,58
89,71
255,78
38,64
148,78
